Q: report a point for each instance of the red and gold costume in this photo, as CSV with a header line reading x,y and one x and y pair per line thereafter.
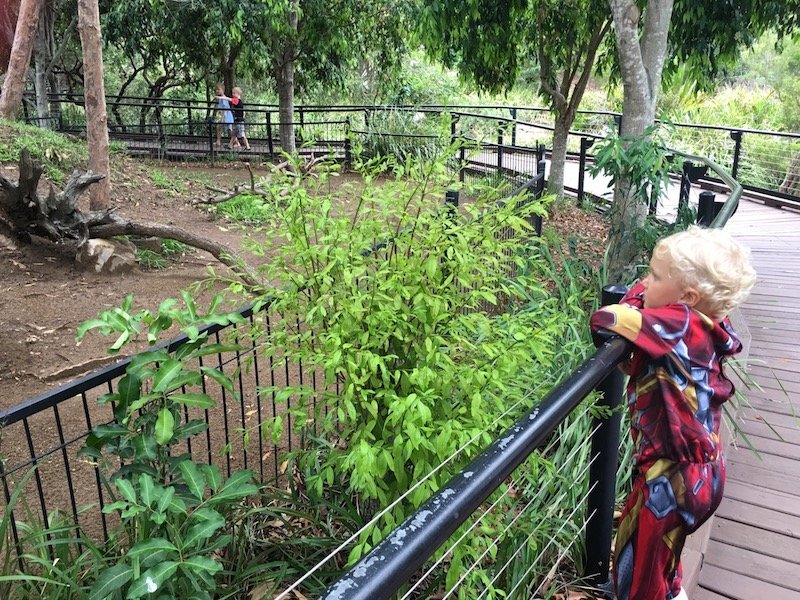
x,y
675,395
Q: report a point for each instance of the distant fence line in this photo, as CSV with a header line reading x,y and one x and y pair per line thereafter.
x,y
764,162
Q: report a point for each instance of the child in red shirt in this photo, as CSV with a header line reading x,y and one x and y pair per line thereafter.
x,y
676,318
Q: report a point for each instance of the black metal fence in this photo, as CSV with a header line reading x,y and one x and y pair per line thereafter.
x,y
43,435
35,433
765,162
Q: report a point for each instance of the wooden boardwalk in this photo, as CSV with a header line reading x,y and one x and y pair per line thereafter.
x,y
754,548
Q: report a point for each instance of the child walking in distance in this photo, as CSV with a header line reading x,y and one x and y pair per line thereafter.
x,y
224,116
676,318
238,119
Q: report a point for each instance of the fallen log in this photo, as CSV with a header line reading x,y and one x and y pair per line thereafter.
x,y
56,217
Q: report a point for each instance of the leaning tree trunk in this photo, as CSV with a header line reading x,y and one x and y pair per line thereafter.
x,y
641,60
14,83
57,218
42,55
285,81
555,184
95,97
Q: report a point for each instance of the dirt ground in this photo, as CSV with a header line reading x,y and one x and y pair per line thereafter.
x,y
44,297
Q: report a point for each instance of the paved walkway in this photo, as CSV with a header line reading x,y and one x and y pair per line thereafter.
x,y
754,547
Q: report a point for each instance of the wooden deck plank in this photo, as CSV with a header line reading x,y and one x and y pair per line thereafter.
x,y
704,594
755,539
768,479
756,495
781,572
758,516
736,586
754,551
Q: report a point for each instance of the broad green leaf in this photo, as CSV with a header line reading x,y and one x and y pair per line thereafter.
x,y
202,563
213,476
223,380
193,478
143,549
167,371
194,400
200,532
152,579
144,447
129,388
190,429
146,489
126,489
165,424
110,580
237,486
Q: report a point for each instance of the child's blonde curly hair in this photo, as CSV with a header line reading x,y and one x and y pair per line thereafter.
x,y
713,263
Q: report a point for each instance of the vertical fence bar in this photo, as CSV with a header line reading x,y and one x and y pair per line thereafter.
x,y
39,484
210,134
514,127
269,136
65,457
348,148
97,477
586,143
499,147
603,468
736,136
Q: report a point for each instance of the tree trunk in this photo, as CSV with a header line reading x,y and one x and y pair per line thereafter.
x,y
94,93
14,84
555,185
641,60
791,183
285,81
42,55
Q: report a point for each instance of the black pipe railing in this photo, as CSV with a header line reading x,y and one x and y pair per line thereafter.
x,y
400,555
403,552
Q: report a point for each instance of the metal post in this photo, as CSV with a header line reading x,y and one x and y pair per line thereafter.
x,y
189,116
706,209
451,200
499,147
210,132
541,165
603,469
586,143
686,186
618,123
348,151
736,136
453,128
462,165
514,127
269,135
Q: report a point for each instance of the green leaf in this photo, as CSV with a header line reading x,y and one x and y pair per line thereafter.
x,y
201,531
143,549
167,371
152,579
144,447
126,489
213,476
110,580
194,400
190,429
237,486
193,478
129,388
165,424
223,380
165,499
202,563
146,489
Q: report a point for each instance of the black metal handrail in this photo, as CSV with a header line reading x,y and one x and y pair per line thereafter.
x,y
390,564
